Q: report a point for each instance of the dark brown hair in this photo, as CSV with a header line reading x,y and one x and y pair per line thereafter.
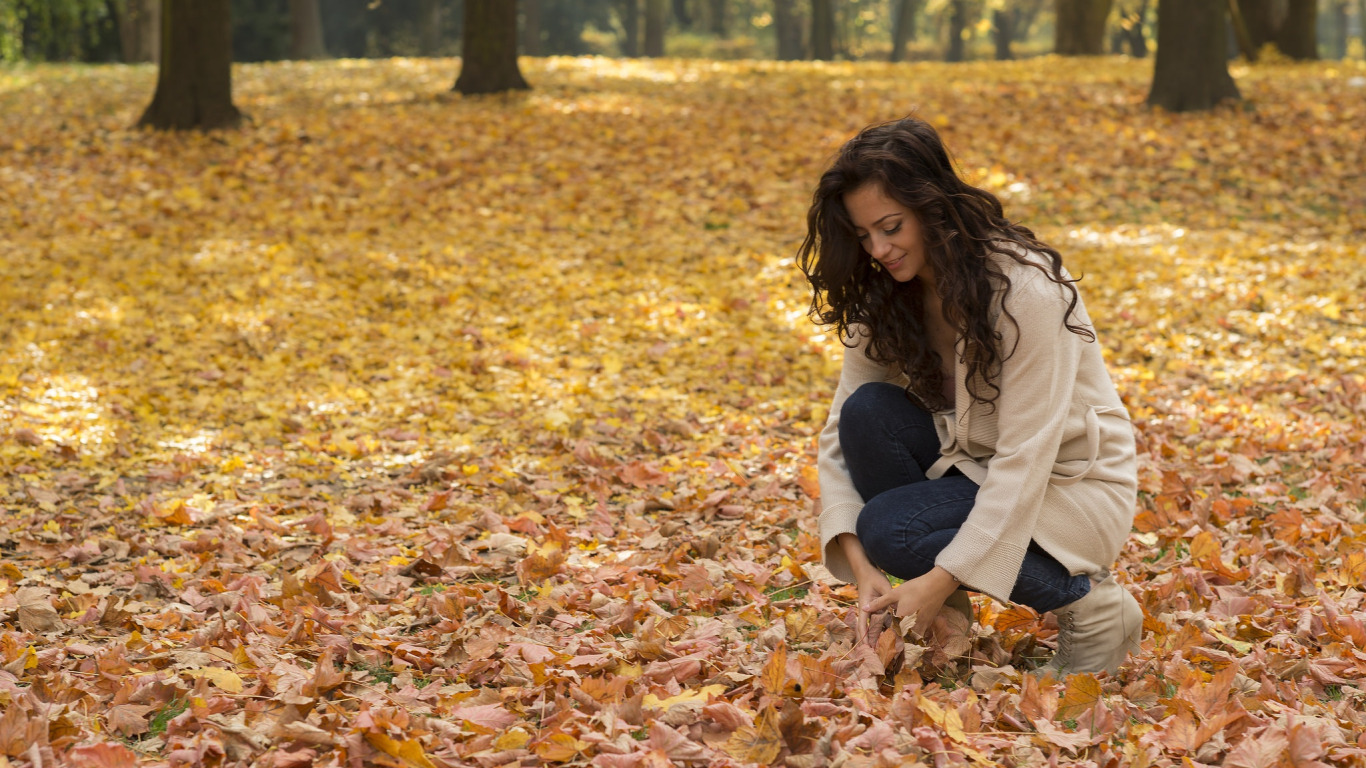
x,y
963,227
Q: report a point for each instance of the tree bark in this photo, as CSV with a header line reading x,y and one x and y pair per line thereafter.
x,y
1080,29
194,78
1298,36
488,56
1337,42
1191,71
719,23
531,27
1132,26
140,30
429,27
1287,24
1240,32
1003,32
680,8
656,14
305,30
903,28
629,13
822,30
958,23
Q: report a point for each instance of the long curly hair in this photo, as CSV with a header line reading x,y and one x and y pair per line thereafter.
x,y
963,227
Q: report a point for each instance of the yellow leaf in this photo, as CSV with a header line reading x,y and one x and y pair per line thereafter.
x,y
560,747
759,743
409,751
701,694
514,739
1081,694
225,679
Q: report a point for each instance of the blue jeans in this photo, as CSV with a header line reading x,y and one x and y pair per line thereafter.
x,y
907,519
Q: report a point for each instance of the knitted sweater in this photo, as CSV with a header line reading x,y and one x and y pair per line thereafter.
x,y
1055,458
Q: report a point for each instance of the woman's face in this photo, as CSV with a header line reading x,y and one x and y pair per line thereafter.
x,y
889,232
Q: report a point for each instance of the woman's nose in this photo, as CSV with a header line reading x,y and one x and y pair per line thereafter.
x,y
878,246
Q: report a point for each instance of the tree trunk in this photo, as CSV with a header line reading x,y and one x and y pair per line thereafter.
x,y
958,24
1003,31
1191,72
822,30
1298,35
656,14
719,23
903,28
140,30
629,11
305,30
680,8
1337,42
1287,24
1240,32
1132,25
1080,29
488,55
531,27
429,27
787,32
194,78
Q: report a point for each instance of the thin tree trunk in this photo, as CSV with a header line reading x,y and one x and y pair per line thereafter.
x,y
787,30
531,27
903,28
1298,35
1240,31
1191,71
429,27
719,23
1133,32
656,14
140,30
1080,29
822,30
958,24
1337,42
680,8
629,11
305,30
488,62
194,78
1003,31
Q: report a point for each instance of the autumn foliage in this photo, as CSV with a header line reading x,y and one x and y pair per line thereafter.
x,y
418,430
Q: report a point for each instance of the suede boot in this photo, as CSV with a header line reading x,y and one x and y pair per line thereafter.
x,y
1098,631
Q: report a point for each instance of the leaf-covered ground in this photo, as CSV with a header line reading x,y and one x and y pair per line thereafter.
x,y
406,429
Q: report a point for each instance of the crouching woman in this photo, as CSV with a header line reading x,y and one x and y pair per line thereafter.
x,y
975,441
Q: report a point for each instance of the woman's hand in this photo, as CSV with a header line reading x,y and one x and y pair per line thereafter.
x,y
872,586
922,597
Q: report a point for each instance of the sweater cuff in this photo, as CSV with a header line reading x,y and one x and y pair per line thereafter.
x,y
841,518
982,562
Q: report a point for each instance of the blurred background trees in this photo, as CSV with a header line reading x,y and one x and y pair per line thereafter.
x,y
888,30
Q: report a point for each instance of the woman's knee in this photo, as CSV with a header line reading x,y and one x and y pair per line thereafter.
x,y
869,405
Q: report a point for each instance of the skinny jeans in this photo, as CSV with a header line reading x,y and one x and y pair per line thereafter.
x,y
907,518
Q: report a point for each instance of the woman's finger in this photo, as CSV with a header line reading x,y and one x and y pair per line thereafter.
x,y
882,601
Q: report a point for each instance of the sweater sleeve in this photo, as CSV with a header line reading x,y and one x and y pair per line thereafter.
x,y
1036,383
840,500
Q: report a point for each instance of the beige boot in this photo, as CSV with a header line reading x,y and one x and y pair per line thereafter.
x,y
1098,631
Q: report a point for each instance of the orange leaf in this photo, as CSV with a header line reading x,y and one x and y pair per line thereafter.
x,y
759,743
1082,693
775,671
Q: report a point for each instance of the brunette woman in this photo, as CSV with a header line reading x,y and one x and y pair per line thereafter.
x,y
975,441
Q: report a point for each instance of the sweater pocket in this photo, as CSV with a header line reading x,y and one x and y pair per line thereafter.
x,y
1078,456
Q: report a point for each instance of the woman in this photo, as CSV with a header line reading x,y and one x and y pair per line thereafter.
x,y
975,441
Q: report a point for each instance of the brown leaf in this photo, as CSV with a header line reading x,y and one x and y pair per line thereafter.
x,y
105,754
1082,693
36,613
759,743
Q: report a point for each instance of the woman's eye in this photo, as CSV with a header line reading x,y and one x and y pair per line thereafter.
x,y
892,231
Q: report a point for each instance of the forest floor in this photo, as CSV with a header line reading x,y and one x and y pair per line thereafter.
x,y
421,430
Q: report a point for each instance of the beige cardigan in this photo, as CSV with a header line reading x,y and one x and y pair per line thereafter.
x,y
1055,460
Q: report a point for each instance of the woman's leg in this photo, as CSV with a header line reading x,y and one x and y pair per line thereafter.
x,y
887,440
903,530
888,443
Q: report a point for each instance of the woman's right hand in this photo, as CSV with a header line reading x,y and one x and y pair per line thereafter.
x,y
871,581
872,584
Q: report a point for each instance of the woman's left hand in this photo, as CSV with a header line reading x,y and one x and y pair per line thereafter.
x,y
922,596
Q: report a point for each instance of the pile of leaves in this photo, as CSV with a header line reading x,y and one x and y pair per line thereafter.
x,y
416,430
